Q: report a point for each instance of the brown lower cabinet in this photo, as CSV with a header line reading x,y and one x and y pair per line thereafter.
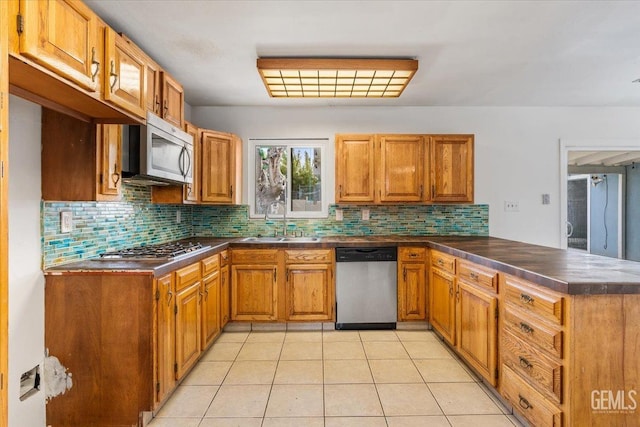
x,y
282,285
464,310
557,359
129,338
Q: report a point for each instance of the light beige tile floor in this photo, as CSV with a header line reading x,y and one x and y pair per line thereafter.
x,y
331,379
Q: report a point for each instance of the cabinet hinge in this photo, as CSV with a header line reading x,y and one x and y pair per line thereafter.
x,y
101,179
175,309
1,380
497,312
175,367
2,169
497,374
157,295
158,387
20,24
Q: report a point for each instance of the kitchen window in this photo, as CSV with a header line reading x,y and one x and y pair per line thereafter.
x,y
287,174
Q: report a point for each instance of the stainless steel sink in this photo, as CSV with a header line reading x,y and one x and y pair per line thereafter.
x,y
281,239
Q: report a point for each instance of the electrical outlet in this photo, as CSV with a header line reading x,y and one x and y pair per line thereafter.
x,y
511,206
339,216
66,221
546,199
365,214
178,217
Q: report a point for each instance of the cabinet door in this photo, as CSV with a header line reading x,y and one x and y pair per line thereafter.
x,y
253,292
477,329
4,211
412,289
153,87
452,168
401,168
309,292
166,347
442,304
62,36
355,168
210,308
124,77
191,191
172,101
225,295
109,146
187,328
218,167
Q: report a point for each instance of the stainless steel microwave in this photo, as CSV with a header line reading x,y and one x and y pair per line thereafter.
x,y
156,154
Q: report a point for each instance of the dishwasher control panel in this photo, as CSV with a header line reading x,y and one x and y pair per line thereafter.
x,y
366,254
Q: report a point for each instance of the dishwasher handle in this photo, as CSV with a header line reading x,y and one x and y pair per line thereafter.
x,y
367,254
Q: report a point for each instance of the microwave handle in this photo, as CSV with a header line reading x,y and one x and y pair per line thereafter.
x,y
181,160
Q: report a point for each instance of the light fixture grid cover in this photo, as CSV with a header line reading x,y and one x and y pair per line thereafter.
x,y
336,77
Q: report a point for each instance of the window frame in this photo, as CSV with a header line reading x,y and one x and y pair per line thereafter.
x,y
321,144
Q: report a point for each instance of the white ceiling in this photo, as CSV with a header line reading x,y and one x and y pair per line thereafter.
x,y
471,53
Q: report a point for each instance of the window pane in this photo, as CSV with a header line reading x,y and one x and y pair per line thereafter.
x,y
305,179
271,179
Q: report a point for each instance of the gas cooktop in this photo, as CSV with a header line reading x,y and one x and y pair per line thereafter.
x,y
162,251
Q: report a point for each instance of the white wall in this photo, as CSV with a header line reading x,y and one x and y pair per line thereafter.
x,y
26,282
516,152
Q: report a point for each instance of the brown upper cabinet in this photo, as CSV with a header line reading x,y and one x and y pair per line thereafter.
x,y
64,57
164,95
93,150
451,168
172,100
221,158
355,168
404,168
62,35
124,76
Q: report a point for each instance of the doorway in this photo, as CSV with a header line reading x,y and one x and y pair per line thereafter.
x,y
598,196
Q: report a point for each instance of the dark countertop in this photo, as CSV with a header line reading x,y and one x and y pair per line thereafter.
x,y
568,272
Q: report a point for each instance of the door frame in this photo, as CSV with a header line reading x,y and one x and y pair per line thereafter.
x,y
567,145
586,178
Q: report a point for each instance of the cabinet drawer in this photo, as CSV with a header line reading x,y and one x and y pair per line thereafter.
x,y
224,258
533,332
477,275
308,256
187,276
531,404
533,299
209,265
443,261
544,373
412,254
254,256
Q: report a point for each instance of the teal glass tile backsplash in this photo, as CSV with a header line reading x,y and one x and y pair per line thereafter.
x,y
102,226
392,219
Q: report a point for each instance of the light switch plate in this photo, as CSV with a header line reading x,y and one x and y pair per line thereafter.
x,y
339,215
66,221
546,199
365,214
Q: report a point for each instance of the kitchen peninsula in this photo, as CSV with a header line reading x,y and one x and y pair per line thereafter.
x,y
552,306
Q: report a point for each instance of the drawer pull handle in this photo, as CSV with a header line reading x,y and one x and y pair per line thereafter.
x,y
525,363
524,403
474,276
526,328
413,255
527,299
440,262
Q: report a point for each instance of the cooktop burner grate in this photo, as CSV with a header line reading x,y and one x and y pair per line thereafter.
x,y
165,250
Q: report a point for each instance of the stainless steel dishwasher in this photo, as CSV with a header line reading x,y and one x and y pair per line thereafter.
x,y
366,288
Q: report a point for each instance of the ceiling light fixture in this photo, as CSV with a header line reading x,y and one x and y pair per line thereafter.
x,y
336,77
